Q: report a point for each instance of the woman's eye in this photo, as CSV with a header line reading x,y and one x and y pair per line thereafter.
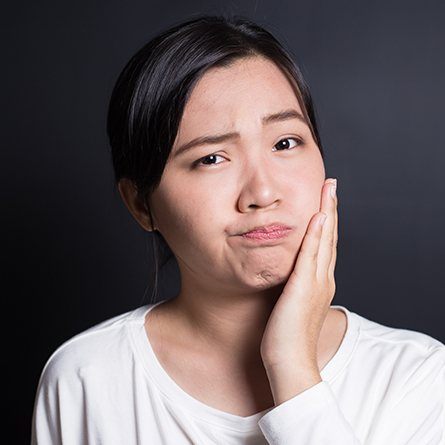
x,y
281,146
201,161
285,146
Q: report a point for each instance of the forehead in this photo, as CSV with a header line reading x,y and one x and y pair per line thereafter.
x,y
242,93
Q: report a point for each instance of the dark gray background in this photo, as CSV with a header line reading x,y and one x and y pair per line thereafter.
x,y
74,254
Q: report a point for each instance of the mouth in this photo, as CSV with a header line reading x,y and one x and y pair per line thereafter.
x,y
270,232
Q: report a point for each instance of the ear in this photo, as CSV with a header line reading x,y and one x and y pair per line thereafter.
x,y
134,203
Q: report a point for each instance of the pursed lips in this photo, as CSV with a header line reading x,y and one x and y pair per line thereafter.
x,y
268,229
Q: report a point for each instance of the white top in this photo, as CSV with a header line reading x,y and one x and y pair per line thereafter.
x,y
105,386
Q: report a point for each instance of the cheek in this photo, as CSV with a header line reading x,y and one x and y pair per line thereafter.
x,y
307,199
187,221
305,209
177,217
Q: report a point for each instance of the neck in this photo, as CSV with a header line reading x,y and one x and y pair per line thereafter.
x,y
230,327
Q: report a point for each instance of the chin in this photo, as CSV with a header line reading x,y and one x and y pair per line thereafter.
x,y
267,278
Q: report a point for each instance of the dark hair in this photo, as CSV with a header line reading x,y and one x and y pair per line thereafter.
x,y
150,94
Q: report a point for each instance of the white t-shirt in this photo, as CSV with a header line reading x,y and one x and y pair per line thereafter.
x,y
384,386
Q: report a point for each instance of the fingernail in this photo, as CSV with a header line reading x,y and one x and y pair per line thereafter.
x,y
333,187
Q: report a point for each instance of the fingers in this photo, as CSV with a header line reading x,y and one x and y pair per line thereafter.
x,y
318,252
325,254
306,265
331,268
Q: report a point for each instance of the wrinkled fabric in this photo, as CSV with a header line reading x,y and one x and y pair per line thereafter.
x,y
105,386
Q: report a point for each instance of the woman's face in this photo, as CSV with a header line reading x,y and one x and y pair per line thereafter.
x,y
211,192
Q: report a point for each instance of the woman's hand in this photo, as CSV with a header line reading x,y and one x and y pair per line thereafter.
x,y
292,332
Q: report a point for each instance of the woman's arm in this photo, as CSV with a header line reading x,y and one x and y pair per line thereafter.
x,y
415,415
306,410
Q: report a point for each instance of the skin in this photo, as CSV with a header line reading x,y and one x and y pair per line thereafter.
x,y
244,306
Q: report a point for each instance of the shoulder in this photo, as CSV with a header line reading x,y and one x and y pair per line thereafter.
x,y
96,348
408,355
391,335
77,379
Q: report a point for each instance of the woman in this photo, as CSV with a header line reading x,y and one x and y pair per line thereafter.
x,y
216,152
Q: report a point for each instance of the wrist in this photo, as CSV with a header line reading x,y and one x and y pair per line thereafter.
x,y
288,381
301,363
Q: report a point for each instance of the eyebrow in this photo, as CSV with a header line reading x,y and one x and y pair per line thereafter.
x,y
283,115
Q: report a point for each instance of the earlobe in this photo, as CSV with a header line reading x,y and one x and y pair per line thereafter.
x,y
133,203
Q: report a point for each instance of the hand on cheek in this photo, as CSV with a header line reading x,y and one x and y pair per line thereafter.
x,y
294,326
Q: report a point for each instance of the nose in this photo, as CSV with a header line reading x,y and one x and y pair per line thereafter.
x,y
259,186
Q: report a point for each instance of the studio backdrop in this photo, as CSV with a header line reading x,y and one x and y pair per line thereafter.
x,y
74,254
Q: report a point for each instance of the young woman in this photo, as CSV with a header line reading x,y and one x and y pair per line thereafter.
x,y
216,152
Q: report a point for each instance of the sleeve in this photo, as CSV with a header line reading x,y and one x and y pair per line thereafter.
x,y
312,417
45,424
415,415
58,415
